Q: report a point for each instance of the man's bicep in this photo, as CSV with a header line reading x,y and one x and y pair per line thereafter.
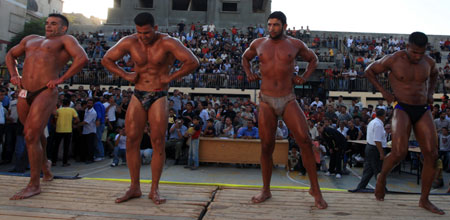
x,y
180,51
381,66
251,52
19,49
117,51
434,71
73,47
306,54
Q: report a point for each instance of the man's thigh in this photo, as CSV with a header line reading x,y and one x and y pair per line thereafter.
x,y
267,124
158,118
40,110
426,134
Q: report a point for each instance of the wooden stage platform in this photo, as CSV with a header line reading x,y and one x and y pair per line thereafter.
x,y
94,199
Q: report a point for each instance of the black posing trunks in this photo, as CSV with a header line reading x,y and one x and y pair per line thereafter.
x,y
415,112
30,96
148,98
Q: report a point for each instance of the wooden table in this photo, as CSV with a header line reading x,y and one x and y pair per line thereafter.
x,y
246,151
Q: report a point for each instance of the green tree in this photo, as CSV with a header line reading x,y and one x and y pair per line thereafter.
x,y
31,27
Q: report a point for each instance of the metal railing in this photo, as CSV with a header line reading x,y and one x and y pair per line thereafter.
x,y
232,81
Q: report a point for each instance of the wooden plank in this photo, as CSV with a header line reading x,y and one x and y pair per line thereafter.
x,y
247,151
94,200
232,203
10,214
88,199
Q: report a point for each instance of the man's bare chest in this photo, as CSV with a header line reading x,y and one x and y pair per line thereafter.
x,y
44,46
406,72
149,55
282,52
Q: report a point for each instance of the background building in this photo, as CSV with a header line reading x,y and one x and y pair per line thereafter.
x,y
168,13
14,13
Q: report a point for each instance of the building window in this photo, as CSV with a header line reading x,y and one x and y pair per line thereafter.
x,y
199,5
229,6
117,3
259,5
32,5
145,3
180,5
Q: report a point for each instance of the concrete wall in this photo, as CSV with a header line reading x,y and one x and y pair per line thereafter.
x,y
12,21
45,7
166,17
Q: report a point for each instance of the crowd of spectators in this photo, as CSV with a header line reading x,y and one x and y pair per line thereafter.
x,y
219,53
193,117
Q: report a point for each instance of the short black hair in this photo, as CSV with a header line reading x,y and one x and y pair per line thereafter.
x,y
380,112
278,15
418,38
144,18
65,21
66,102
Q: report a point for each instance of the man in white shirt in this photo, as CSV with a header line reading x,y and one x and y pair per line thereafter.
x,y
317,102
205,28
381,105
211,28
120,147
441,122
352,74
204,114
110,111
349,41
376,140
89,132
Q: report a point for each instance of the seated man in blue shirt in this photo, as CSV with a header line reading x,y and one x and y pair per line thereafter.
x,y
249,132
176,139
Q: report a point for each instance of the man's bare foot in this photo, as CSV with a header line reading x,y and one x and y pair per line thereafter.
x,y
426,204
130,194
262,196
319,202
156,198
380,189
27,192
48,176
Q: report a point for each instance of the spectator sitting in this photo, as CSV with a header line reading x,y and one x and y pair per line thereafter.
x,y
210,131
228,130
282,130
317,102
176,139
120,148
249,132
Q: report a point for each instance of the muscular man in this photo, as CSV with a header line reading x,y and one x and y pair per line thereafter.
x,y
277,54
413,79
153,54
45,57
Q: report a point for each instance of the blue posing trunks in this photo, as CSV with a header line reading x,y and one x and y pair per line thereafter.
x,y
415,112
